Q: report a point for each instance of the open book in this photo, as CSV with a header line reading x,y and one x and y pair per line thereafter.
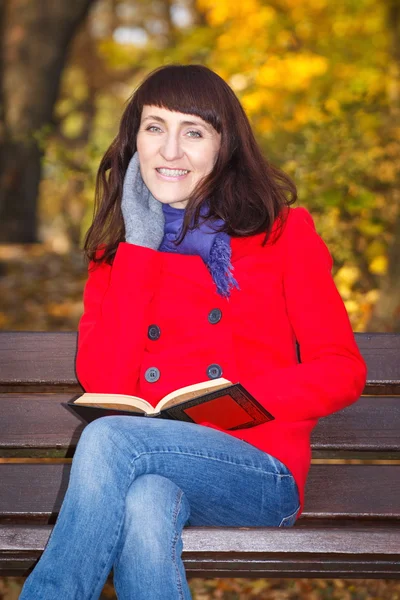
x,y
218,402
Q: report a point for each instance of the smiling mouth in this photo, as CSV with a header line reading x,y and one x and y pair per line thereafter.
x,y
172,172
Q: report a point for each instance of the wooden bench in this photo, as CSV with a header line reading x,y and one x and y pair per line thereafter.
x,y
350,525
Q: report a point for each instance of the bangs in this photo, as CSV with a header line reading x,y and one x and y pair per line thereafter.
x,y
189,89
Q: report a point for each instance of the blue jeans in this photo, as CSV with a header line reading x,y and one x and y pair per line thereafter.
x,y
135,483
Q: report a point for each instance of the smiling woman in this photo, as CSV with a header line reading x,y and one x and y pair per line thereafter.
x,y
175,153
184,198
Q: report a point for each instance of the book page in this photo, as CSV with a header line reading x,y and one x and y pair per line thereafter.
x,y
192,391
116,401
113,406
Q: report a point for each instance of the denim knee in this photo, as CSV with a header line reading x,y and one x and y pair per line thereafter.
x,y
155,509
101,435
100,449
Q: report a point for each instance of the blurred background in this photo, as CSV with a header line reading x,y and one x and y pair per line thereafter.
x,y
320,81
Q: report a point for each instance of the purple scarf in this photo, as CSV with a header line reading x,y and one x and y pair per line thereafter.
x,y
213,247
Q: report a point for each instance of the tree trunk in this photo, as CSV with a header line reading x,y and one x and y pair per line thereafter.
x,y
36,37
386,313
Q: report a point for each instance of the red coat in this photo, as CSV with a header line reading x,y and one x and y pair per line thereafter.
x,y
287,293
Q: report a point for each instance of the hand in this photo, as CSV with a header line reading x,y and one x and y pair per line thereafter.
x,y
142,213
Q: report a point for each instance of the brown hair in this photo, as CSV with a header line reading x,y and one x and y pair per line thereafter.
x,y
243,188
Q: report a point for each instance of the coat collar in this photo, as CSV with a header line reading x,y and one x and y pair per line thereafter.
x,y
193,268
245,246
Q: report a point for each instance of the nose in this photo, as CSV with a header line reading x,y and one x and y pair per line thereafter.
x,y
171,148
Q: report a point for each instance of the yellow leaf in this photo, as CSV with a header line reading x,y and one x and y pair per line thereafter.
x,y
351,306
379,265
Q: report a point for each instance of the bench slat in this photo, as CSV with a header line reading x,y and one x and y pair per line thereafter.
x,y
38,358
362,540
371,424
35,491
41,421
373,551
38,421
44,358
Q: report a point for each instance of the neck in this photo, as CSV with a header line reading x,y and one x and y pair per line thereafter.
x,y
172,209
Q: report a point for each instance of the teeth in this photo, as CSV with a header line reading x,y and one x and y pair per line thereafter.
x,y
172,172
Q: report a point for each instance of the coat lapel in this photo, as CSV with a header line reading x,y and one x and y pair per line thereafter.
x,y
193,269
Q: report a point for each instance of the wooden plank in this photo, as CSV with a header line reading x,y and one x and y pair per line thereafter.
x,y
35,491
369,551
38,358
38,421
41,421
381,352
47,359
371,424
358,540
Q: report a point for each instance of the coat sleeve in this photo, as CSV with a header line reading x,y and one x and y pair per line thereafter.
x,y
332,372
112,330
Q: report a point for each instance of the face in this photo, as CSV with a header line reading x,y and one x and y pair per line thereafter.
x,y
176,151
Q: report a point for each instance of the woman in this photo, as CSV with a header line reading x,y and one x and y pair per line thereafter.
x,y
199,269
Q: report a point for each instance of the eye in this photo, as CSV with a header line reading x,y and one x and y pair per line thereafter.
x,y
152,128
196,134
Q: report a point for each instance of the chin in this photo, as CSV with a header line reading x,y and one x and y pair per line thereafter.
x,y
173,200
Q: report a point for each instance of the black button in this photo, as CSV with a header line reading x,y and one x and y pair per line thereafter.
x,y
214,371
215,316
154,332
152,375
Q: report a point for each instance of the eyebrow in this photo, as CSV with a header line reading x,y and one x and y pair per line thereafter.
x,y
195,123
